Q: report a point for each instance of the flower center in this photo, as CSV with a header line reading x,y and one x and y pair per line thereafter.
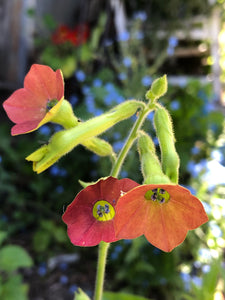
x,y
51,104
103,211
157,195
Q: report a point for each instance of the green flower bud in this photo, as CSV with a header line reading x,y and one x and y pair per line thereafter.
x,y
64,141
164,130
158,89
150,164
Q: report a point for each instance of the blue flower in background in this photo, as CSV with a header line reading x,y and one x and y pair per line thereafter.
x,y
97,82
217,155
195,150
127,61
45,130
122,76
73,288
109,87
140,15
42,269
0,158
216,231
146,80
124,174
80,75
173,41
86,90
89,101
108,43
63,279
59,189
73,99
124,36
56,171
175,105
117,145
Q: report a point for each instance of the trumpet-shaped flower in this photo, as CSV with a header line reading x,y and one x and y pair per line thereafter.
x,y
37,103
90,217
163,213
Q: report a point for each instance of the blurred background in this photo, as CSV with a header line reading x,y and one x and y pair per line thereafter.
x,y
110,51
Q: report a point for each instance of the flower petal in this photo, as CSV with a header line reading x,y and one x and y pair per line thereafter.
x,y
44,83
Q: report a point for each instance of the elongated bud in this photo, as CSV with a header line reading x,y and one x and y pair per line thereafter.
x,y
164,130
150,164
64,141
158,89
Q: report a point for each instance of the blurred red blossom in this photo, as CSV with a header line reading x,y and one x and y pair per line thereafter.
x,y
35,104
163,213
76,36
90,217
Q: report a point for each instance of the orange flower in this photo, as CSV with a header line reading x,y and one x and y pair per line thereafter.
x,y
163,213
35,104
90,217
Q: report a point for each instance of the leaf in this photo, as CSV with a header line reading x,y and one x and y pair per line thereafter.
x,y
121,296
3,235
80,295
13,257
14,289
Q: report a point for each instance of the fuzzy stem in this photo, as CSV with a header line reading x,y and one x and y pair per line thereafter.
x,y
102,254
130,140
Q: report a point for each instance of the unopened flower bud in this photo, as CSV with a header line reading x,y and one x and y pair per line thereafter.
x,y
150,164
158,89
169,157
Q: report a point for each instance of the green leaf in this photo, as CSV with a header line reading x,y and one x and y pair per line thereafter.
x,y
80,295
3,235
14,289
13,257
121,296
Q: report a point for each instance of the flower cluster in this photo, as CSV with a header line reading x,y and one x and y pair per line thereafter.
x,y
110,209
113,209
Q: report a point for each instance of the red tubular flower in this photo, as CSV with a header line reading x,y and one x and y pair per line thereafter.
x,y
163,213
61,35
90,217
35,104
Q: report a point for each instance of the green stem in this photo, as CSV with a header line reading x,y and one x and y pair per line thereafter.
x,y
130,140
102,254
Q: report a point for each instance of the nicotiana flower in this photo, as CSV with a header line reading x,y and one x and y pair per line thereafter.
x,y
162,212
90,217
40,99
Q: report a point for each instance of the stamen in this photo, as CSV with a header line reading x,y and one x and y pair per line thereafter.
x,y
51,104
157,195
103,211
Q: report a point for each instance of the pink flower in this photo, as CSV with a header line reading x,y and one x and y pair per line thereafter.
x,y
90,217
35,104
